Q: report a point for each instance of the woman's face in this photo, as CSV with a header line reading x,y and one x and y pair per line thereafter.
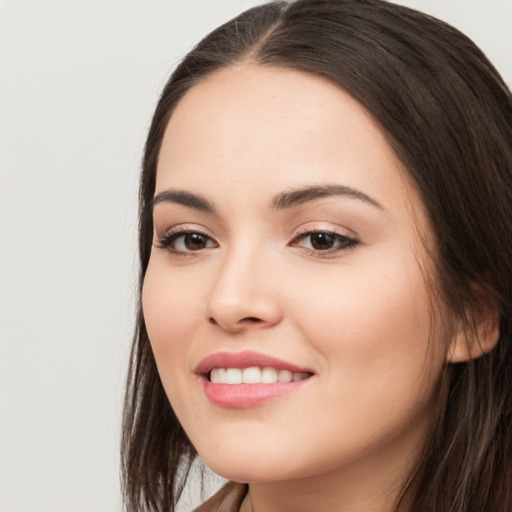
x,y
286,247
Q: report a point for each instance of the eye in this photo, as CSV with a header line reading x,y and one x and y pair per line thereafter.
x,y
186,241
323,242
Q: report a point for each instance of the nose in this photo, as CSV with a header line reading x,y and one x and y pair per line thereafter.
x,y
244,295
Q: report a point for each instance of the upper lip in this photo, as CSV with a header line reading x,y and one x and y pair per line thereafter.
x,y
245,359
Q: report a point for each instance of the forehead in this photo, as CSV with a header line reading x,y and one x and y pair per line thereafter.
x,y
251,127
249,107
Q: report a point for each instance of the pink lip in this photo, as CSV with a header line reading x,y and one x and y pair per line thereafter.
x,y
244,396
245,359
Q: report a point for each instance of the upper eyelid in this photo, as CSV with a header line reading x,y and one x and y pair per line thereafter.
x,y
315,228
184,228
310,227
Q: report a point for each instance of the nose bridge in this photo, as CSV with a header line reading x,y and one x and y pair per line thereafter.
x,y
242,294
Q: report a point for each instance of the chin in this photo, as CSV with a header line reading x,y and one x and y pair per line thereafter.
x,y
254,465
249,472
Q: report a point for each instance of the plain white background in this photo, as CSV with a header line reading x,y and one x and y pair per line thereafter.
x,y
79,80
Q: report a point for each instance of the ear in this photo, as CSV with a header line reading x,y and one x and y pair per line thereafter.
x,y
475,337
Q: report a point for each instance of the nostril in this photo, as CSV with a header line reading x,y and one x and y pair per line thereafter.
x,y
251,319
247,319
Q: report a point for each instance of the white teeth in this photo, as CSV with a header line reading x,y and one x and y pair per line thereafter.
x,y
218,375
251,375
268,376
254,375
284,376
233,376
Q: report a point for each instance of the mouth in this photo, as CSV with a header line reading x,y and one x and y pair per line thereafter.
x,y
247,379
254,375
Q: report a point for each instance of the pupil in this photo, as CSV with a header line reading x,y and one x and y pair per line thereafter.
x,y
322,241
195,241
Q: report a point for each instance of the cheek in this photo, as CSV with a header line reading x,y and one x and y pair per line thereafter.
x,y
378,313
173,298
372,304
372,327
170,305
380,368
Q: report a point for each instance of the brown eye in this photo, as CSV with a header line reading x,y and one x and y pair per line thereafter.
x,y
195,241
321,241
183,242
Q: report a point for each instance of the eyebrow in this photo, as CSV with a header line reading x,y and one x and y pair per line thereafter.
x,y
303,195
184,198
281,201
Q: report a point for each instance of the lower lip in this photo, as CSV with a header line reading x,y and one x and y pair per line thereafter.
x,y
244,396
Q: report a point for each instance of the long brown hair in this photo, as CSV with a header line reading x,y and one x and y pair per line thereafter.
x,y
448,115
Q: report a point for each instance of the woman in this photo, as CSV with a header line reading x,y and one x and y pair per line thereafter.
x,y
326,255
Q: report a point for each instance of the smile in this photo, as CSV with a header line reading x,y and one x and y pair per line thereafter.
x,y
247,379
254,375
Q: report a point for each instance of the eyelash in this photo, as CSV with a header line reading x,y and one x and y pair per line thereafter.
x,y
169,239
341,242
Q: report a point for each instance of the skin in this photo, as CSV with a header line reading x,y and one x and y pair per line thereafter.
x,y
358,316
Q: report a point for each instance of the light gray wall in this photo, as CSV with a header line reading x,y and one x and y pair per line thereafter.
x,y
78,83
